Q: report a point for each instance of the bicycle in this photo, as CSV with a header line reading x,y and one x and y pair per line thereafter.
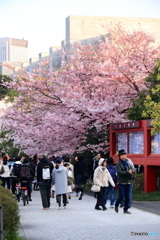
x,y
24,192
18,191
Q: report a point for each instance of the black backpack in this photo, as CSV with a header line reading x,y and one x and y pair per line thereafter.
x,y
16,169
25,172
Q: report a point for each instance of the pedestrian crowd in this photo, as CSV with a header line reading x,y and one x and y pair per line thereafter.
x,y
56,177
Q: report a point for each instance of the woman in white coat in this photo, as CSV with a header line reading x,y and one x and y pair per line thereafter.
x,y
70,180
102,178
5,177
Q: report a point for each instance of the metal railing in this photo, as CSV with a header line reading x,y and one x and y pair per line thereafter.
x,y
1,223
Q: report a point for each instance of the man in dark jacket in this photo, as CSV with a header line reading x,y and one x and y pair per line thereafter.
x,y
79,175
44,171
94,164
124,174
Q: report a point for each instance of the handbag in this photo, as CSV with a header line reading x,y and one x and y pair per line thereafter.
x,y
2,170
70,181
95,188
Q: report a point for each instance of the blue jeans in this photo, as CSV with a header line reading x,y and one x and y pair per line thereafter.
x,y
123,192
130,196
110,190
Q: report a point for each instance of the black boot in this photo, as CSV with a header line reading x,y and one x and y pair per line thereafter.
x,y
81,195
104,208
97,207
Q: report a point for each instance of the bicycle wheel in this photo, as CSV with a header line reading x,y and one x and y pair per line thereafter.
x,y
24,199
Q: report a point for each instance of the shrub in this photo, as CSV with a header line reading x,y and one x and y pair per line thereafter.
x,y
10,214
138,182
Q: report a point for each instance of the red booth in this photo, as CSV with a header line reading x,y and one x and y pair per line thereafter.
x,y
142,148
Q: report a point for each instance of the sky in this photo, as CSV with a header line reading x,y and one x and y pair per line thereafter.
x,y
42,22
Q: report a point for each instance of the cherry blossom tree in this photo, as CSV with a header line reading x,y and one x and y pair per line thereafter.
x,y
57,110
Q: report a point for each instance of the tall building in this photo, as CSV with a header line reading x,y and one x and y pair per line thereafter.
x,y
12,49
86,28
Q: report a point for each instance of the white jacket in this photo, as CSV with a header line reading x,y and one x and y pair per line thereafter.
x,y
0,168
102,178
6,171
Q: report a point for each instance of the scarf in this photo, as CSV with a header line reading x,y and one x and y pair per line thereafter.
x,y
125,164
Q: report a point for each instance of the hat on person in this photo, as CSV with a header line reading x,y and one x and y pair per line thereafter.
x,y
101,160
121,152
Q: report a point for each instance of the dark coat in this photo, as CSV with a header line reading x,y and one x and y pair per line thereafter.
x,y
123,176
32,166
79,171
93,165
31,171
44,163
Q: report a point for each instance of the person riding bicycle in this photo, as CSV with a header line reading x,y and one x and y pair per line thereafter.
x,y
14,172
26,174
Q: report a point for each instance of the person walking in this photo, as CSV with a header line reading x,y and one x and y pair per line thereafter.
x,y
5,177
110,189
79,175
68,160
59,178
70,180
1,170
36,161
124,175
131,187
102,178
44,171
14,172
94,164
32,167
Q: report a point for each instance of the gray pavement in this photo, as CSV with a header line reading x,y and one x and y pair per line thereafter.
x,y
80,221
149,206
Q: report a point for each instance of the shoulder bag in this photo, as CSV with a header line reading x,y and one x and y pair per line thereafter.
x,y
95,188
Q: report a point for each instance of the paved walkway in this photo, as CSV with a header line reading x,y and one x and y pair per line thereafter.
x,y
80,221
149,206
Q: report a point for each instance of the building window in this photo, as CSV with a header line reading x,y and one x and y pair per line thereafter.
x,y
155,144
121,141
132,142
136,143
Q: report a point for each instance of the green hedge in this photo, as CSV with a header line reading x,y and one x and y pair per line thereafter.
x,y
10,214
138,182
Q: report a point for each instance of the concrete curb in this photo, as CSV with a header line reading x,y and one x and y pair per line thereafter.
x,y
21,232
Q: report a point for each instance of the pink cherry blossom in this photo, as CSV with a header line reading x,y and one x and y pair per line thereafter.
x,y
55,110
